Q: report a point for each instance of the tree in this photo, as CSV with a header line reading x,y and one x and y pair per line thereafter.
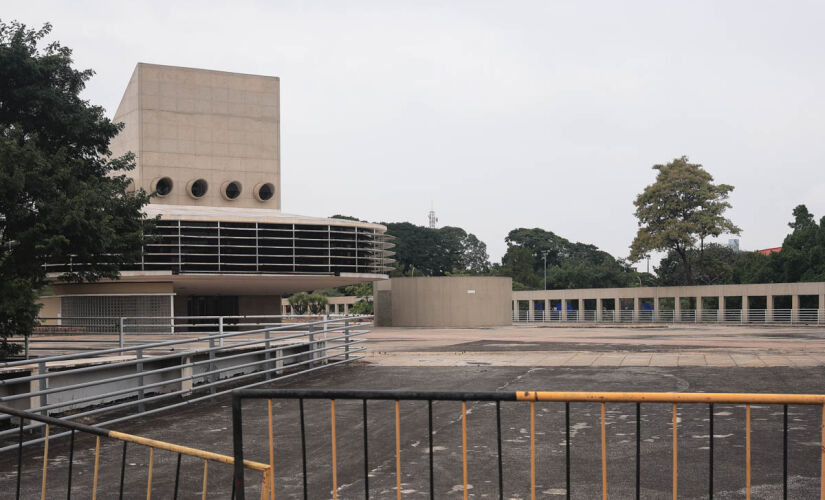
x,y
62,194
316,303
681,208
569,265
299,302
715,267
436,252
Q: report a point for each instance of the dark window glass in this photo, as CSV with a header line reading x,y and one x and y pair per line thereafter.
x,y
233,190
164,186
199,188
266,191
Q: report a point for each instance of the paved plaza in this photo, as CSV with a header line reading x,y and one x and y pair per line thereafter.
x,y
544,345
700,359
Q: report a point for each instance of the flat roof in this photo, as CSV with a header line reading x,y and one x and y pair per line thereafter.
x,y
239,214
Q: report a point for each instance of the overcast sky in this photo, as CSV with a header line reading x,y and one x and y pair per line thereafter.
x,y
502,114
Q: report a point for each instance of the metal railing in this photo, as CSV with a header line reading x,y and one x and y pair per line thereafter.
x,y
59,466
530,397
742,316
140,377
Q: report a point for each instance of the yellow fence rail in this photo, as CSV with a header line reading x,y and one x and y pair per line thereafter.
x,y
532,397
101,434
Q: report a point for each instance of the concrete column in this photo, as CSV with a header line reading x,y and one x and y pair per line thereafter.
x,y
546,309
794,307
655,308
821,308
346,308
720,314
677,309
637,305
531,310
617,309
769,308
598,309
745,308
698,309
564,309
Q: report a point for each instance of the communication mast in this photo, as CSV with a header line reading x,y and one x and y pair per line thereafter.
x,y
432,217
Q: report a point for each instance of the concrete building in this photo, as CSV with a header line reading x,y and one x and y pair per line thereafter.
x,y
768,302
208,143
444,301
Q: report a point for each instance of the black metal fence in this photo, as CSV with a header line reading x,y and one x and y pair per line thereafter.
x,y
671,405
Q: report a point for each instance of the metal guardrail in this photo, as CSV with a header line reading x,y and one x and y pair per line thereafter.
x,y
191,367
741,316
69,333
601,398
109,490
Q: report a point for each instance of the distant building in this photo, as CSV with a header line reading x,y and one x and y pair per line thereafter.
x,y
768,251
208,143
734,244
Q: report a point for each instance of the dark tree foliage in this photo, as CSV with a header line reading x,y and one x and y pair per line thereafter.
x,y
62,193
714,266
436,252
802,258
569,265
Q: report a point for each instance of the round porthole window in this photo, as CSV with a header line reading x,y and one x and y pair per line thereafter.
x,y
197,188
231,190
162,186
264,192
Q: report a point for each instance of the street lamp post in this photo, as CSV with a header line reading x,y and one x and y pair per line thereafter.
x,y
544,256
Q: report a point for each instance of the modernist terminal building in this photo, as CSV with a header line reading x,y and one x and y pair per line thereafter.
x,y
208,143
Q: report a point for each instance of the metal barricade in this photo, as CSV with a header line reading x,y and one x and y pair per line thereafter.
x,y
601,399
60,466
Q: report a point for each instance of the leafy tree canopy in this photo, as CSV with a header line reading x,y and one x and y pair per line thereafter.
x,y
436,252
62,193
683,207
569,264
802,258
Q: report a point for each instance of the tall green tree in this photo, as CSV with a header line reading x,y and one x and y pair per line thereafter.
x,y
682,208
437,252
569,264
62,193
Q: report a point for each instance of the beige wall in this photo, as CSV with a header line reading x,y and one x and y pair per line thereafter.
x,y
253,305
187,124
450,301
50,309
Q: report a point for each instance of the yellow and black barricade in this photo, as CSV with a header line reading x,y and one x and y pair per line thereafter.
x,y
531,397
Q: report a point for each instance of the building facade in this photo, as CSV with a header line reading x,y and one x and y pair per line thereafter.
x,y
208,144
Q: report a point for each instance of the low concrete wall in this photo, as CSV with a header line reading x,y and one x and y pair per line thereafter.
x,y
449,301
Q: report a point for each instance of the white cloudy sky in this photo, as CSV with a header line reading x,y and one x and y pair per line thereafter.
x,y
502,114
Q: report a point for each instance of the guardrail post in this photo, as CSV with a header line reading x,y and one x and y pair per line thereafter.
x,y
237,445
311,347
346,339
139,368
27,345
43,383
120,332
267,356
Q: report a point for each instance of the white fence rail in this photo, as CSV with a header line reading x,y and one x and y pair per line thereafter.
x,y
742,316
132,369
